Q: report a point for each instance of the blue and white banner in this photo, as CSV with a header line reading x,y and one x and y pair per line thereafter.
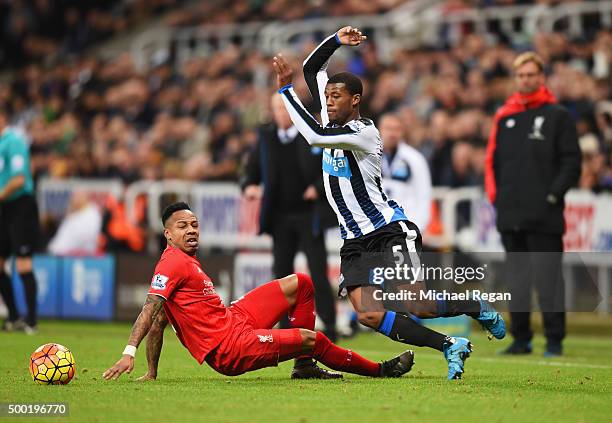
x,y
46,270
88,288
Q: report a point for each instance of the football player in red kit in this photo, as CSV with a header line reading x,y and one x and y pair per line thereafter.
x,y
236,339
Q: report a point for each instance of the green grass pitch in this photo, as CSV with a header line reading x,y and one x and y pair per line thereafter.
x,y
574,388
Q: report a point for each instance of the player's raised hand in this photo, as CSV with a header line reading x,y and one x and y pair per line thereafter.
x,y
284,73
350,36
124,365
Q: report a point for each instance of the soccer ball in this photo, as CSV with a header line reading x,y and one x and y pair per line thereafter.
x,y
52,364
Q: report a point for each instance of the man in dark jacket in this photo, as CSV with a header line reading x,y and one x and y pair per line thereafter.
x,y
533,159
291,208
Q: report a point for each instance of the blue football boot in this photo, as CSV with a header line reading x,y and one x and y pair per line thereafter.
x,y
491,320
456,351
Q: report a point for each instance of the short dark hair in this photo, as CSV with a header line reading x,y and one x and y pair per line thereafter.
x,y
352,83
172,208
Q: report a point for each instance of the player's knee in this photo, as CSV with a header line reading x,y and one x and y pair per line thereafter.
x,y
370,319
289,286
305,284
308,338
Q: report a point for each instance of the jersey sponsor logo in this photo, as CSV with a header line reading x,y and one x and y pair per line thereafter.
x,y
336,166
265,338
510,123
17,163
159,281
536,132
209,288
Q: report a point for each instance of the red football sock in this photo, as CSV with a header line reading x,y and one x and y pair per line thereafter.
x,y
302,315
343,360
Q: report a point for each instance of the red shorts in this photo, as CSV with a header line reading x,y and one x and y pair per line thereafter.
x,y
252,344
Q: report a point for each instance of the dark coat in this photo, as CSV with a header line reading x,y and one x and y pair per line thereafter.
x,y
261,169
535,161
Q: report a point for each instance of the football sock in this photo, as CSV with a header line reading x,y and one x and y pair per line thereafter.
x,y
8,296
343,360
402,328
29,285
449,308
302,314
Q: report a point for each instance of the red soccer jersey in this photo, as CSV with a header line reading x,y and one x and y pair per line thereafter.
x,y
194,309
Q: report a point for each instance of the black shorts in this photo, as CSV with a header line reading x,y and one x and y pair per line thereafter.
x,y
397,243
19,227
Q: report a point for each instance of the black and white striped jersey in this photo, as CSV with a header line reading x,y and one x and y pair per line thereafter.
x,y
352,155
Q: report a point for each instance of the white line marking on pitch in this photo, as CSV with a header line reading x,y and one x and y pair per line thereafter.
x,y
510,360
545,363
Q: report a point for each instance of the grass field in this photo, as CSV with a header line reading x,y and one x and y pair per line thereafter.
x,y
575,388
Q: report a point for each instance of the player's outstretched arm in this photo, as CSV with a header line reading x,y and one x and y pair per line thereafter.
x,y
315,65
319,58
151,308
356,137
155,341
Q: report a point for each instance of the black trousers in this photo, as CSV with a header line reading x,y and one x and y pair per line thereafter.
x,y
535,259
293,233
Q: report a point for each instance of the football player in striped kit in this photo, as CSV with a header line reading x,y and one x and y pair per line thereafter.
x,y
376,232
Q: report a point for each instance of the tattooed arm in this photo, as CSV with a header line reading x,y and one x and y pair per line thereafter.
x,y
155,340
150,310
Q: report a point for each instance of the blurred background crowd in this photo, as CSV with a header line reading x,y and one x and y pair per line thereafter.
x,y
86,116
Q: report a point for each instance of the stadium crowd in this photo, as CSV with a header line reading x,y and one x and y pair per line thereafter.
x,y
87,117
40,30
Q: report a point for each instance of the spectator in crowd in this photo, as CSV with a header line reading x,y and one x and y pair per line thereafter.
x,y
79,232
533,159
293,205
35,30
406,175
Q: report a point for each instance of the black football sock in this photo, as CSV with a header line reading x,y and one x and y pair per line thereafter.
x,y
303,361
29,286
402,328
8,296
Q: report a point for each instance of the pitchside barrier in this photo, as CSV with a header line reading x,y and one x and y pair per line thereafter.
x,y
72,287
462,219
